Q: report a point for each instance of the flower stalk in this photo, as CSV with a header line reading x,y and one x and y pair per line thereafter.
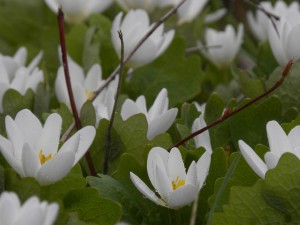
x,y
229,114
60,17
108,137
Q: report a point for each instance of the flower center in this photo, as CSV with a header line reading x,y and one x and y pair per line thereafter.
x,y
89,94
44,158
177,183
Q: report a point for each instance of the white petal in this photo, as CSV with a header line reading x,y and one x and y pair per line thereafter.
x,y
30,161
35,62
9,207
129,109
56,168
162,183
151,161
271,160
93,78
294,139
191,177
29,125
49,139
51,213
86,137
176,169
21,56
253,160
201,140
160,103
53,5
143,188
30,213
203,165
167,40
278,140
182,196
215,16
162,123
292,48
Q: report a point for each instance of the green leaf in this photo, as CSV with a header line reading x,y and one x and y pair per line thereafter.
x,y
182,77
282,188
250,87
88,114
91,207
62,187
42,100
25,187
288,92
13,101
247,206
114,190
2,179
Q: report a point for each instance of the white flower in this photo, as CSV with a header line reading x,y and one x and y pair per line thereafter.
x,y
159,117
260,22
32,150
190,10
32,212
77,11
134,26
83,88
222,46
168,176
284,43
201,140
147,5
279,142
14,74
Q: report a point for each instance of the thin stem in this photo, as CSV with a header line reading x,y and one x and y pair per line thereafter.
x,y
63,45
270,15
222,188
108,137
117,70
194,211
138,45
230,114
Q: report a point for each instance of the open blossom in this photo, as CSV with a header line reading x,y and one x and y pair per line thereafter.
x,y
159,117
14,74
32,212
201,140
169,178
260,22
222,46
32,149
77,11
134,26
279,142
83,88
284,41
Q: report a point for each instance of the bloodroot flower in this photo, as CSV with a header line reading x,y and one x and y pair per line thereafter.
x,y
279,142
32,150
32,212
134,26
168,176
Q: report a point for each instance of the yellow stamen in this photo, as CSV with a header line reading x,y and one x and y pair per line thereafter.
x,y
89,94
44,158
177,183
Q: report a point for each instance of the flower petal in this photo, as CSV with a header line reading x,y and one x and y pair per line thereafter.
x,y
203,165
271,160
9,207
151,161
278,140
253,160
29,125
145,190
162,183
51,213
176,169
182,196
49,140
30,161
294,139
191,177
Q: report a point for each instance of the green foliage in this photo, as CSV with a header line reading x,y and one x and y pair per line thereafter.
x,y
91,207
182,77
13,102
274,200
87,114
